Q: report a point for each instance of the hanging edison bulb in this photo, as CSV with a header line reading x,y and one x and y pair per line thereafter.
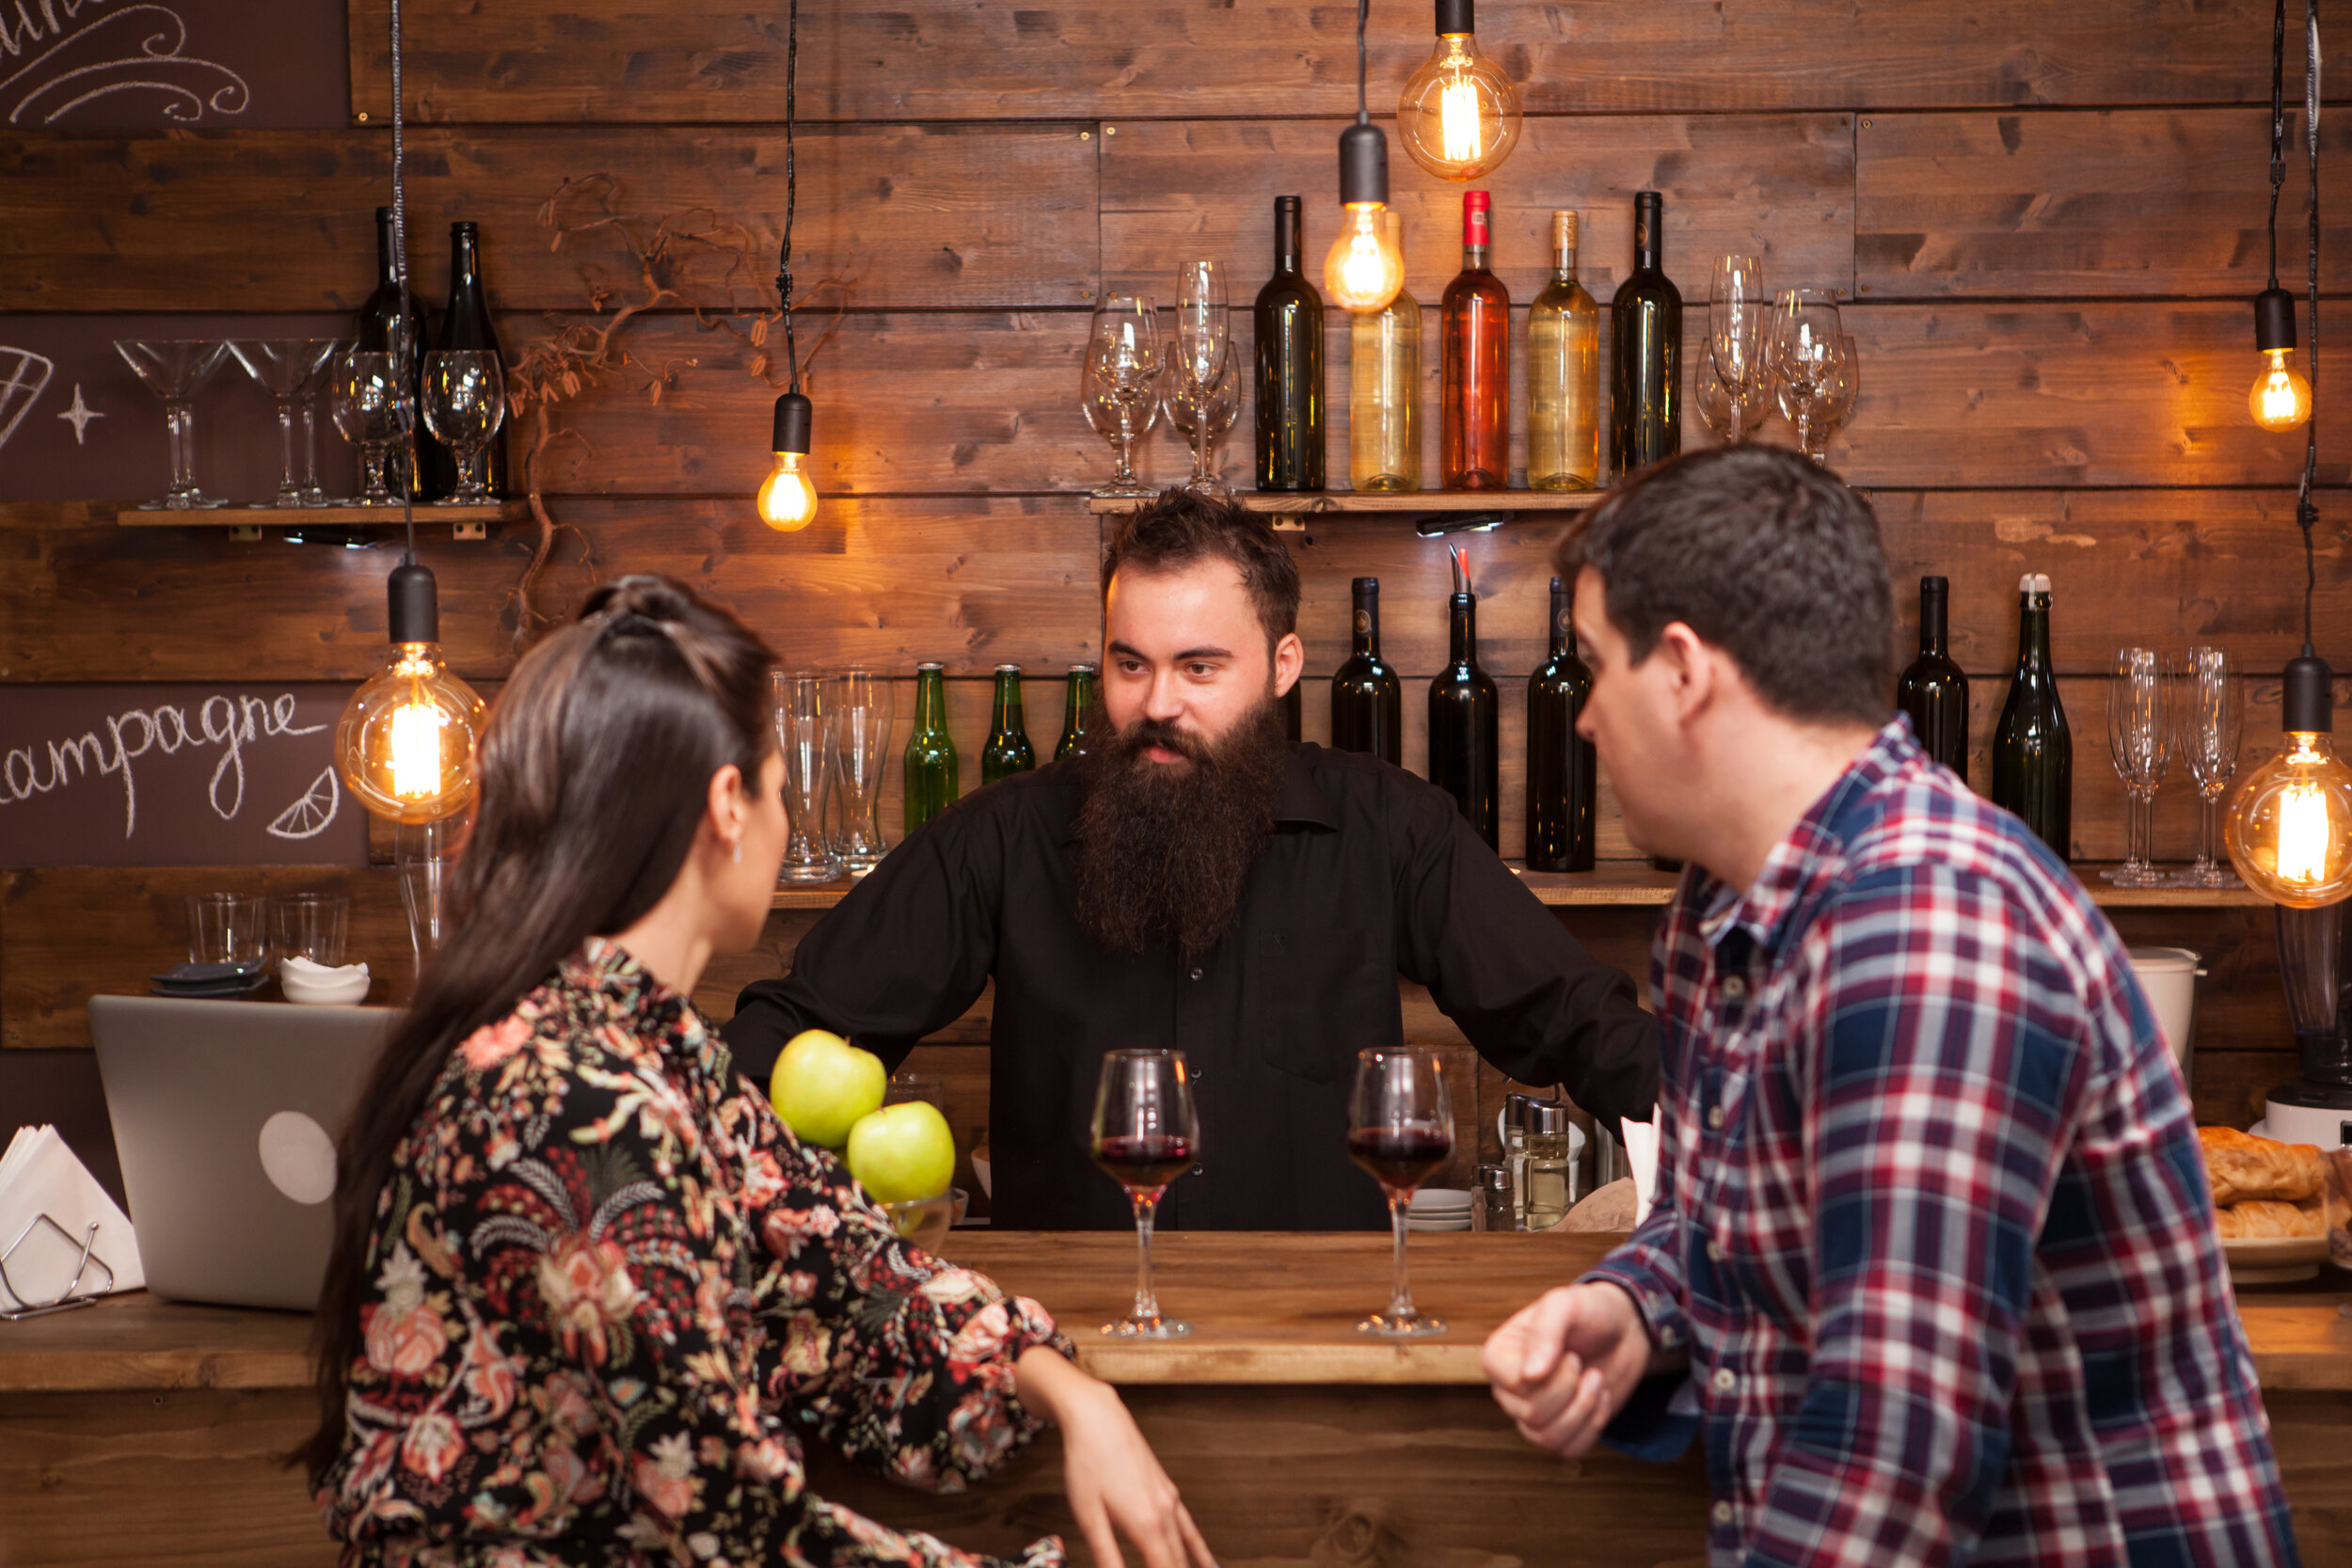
x,y
787,498
2282,398
1365,266
1459,113
2290,830
406,742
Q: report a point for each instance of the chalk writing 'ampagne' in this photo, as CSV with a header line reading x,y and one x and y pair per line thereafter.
x,y
231,723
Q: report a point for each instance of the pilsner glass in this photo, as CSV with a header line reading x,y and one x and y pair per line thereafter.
x,y
1146,1133
1400,1129
804,729
861,737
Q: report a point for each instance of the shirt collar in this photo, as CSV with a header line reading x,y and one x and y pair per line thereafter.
x,y
603,969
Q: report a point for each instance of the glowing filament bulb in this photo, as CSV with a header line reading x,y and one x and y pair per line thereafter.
x,y
416,748
1457,113
2281,399
788,498
1364,268
2303,835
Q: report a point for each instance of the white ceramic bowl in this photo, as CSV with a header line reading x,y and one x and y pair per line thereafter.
x,y
313,986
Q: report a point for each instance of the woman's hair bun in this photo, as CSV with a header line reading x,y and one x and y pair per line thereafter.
x,y
655,598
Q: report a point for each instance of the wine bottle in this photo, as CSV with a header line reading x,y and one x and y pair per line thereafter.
x,y
932,784
1289,324
1474,395
1367,699
1563,374
1563,773
379,332
1384,395
1935,691
1076,704
467,325
1644,352
1464,736
2033,753
1008,751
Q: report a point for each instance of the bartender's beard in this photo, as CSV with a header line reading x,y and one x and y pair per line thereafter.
x,y
1163,848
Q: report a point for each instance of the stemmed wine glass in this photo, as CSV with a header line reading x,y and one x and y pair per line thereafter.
x,y
861,737
2212,714
1837,400
2139,739
371,409
1199,357
1146,1133
1803,353
802,719
1738,316
1122,382
1400,1128
175,370
1714,404
464,403
285,367
1203,423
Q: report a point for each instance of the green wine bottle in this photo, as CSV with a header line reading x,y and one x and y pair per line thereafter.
x,y
1367,699
2033,751
1464,746
1935,691
1075,708
1008,751
932,784
1562,770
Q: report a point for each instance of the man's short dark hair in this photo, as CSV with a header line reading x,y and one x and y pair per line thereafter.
x,y
1179,527
1762,554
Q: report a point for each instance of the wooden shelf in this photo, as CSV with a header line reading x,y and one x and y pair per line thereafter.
x,y
1317,502
468,522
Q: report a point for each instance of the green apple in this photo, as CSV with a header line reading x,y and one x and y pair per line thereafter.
x,y
903,1152
823,1085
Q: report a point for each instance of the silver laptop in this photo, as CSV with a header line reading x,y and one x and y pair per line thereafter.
x,y
225,1115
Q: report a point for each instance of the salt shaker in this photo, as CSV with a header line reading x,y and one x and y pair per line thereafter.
x,y
1494,1207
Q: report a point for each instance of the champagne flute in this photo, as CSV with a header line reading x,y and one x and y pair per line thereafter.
x,y
2140,741
1146,1133
464,403
1803,352
1736,317
1400,1129
2212,713
1122,375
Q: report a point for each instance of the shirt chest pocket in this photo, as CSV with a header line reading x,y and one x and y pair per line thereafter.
x,y
1316,997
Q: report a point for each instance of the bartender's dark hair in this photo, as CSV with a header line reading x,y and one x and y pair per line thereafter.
x,y
595,773
1765,555
1180,527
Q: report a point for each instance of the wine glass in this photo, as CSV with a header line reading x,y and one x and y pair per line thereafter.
x,y
1837,401
2140,741
372,410
861,739
1400,1129
1803,353
1146,1133
802,724
1204,421
2212,714
1122,373
284,366
1714,404
464,403
1738,313
307,398
175,370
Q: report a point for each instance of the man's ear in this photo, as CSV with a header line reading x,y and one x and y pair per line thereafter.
x,y
1689,670
1290,657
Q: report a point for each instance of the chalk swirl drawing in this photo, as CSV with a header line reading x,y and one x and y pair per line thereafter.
x,y
69,62
308,817
26,375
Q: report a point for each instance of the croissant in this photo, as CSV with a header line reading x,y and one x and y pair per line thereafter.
x,y
2242,1167
2264,1217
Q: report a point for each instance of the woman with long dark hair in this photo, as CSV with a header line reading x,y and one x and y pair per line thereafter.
x,y
587,1291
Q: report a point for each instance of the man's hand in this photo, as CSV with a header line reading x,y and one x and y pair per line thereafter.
x,y
1114,1484
1563,1365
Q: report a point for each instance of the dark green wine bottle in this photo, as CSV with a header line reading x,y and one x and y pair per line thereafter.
x,y
1008,751
1289,323
1076,704
2033,751
1563,773
1465,749
1367,699
1644,352
1934,690
932,784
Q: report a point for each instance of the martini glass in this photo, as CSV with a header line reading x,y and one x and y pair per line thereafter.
x,y
175,370
284,366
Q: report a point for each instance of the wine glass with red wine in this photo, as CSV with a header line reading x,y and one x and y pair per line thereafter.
x,y
1400,1129
1146,1135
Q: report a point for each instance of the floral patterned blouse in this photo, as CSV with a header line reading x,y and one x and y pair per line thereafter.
x,y
611,1290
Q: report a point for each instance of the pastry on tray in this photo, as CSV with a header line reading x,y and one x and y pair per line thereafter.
x,y
2259,1219
2242,1167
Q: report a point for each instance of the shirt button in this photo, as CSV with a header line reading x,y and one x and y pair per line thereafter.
x,y
1714,1252
1723,1380
1195,975
1196,1170
1666,1337
1723,1514
1714,1115
1735,987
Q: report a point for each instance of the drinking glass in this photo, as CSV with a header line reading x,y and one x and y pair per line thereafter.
x,y
1803,353
2212,714
1400,1129
284,366
860,746
1122,375
803,717
1738,312
1146,1133
464,403
425,852
1204,422
175,370
227,928
372,410
307,398
2139,741
310,925
1837,400
1715,405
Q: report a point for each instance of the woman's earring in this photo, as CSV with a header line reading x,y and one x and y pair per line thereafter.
x,y
738,851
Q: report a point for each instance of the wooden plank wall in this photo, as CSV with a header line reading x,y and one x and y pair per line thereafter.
x,y
2047,222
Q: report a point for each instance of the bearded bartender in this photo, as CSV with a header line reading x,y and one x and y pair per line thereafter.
x,y
1198,882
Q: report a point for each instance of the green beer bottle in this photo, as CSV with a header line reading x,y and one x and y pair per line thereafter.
x,y
1075,708
930,781
1008,751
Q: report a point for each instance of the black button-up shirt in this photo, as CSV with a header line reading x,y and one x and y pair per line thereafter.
x,y
1369,873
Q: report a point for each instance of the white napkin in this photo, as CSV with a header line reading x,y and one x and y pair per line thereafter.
x,y
1641,1153
38,1176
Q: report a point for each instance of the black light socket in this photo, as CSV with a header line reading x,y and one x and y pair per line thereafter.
x,y
2274,320
2307,704
414,601
1363,165
793,414
1454,16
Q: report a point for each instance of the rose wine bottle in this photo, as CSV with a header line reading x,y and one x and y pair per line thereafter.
x,y
1474,398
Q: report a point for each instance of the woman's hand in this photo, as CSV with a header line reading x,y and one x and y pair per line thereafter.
x,y
1109,1470
1564,1364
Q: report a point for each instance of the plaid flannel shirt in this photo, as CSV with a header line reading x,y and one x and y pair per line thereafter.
x,y
1931,1218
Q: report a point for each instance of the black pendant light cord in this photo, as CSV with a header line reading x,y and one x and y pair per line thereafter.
x,y
791,184
2278,127
399,271
1363,13
2306,510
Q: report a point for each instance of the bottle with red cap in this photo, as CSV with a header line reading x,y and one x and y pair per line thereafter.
x,y
1474,399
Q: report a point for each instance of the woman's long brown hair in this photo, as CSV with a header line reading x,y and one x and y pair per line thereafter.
x,y
594,772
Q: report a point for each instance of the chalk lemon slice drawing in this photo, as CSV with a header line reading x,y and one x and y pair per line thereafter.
x,y
308,817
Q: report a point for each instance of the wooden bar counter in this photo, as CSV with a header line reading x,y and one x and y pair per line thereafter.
x,y
141,1432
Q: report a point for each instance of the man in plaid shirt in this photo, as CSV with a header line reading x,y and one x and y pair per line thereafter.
x,y
1933,1268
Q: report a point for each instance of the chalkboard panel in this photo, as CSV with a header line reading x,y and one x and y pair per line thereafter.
x,y
175,775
